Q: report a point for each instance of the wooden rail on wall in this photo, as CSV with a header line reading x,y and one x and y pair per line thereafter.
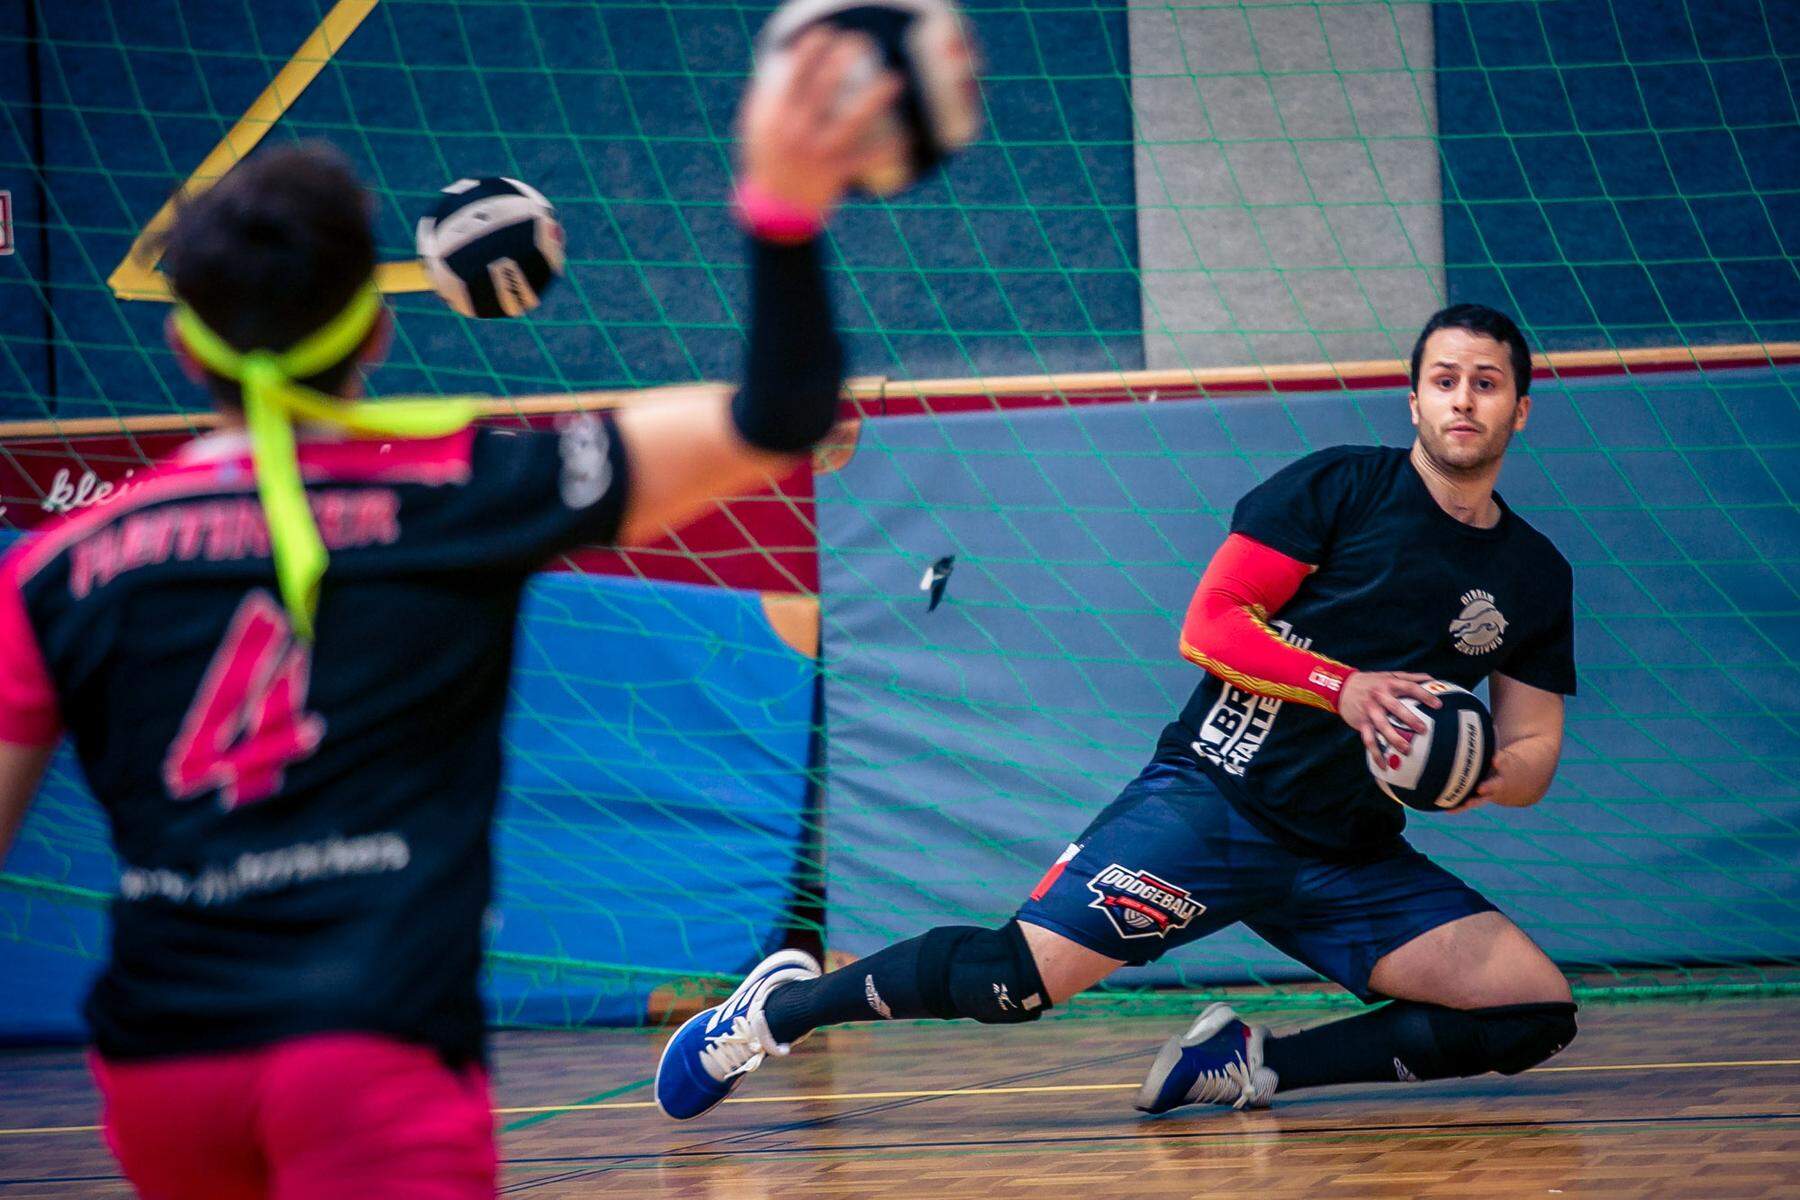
x,y
869,394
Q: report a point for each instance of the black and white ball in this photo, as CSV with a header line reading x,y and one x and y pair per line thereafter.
x,y
1442,766
926,43
491,247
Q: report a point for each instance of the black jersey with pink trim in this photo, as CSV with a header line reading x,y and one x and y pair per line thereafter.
x,y
302,828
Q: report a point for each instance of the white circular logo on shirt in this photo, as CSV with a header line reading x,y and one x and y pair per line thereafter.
x,y
587,472
1479,627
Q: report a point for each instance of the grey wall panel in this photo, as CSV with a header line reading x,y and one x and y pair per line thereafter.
x,y
1287,181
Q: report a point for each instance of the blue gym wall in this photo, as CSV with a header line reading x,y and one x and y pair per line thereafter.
x,y
1020,258
1623,174
642,714
1614,174
24,327
969,745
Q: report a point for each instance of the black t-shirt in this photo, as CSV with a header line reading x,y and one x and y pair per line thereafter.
x,y
303,830
1401,585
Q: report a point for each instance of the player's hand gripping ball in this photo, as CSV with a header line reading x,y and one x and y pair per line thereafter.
x,y
1442,766
925,43
491,247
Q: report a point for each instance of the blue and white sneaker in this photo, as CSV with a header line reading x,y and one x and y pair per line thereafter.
x,y
713,1050
1219,1060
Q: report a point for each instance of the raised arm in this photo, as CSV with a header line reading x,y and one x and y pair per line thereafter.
x,y
800,150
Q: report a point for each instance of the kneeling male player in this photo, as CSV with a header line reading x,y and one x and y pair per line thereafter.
x,y
1258,805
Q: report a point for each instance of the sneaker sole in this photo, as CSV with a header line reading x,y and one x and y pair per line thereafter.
x,y
1166,1058
1218,1014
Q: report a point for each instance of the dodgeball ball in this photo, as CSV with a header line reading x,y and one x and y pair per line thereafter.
x,y
491,247
926,44
1442,766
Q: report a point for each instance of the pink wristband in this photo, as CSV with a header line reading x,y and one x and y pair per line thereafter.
x,y
770,217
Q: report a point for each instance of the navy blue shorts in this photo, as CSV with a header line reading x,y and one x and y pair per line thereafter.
x,y
1171,861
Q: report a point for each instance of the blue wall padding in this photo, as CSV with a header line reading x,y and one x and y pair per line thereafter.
x,y
50,948
1623,174
969,745
1021,258
651,820
655,793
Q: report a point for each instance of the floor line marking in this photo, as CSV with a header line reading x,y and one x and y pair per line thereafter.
x,y
1026,1089
1046,1088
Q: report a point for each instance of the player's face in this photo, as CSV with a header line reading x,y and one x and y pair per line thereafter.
x,y
1467,406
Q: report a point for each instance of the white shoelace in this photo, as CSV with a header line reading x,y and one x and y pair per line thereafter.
x,y
733,1052
1227,1085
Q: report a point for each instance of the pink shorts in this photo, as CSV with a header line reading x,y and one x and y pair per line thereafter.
x,y
334,1116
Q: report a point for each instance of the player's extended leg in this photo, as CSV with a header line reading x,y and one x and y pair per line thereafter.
x,y
1108,901
1471,992
995,976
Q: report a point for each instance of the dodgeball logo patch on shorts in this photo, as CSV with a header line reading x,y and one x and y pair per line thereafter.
x,y
1141,905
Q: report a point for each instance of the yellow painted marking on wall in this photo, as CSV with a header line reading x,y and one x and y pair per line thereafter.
x,y
136,276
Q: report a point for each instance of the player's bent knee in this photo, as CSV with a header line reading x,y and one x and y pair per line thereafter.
x,y
1449,1043
986,975
1517,1037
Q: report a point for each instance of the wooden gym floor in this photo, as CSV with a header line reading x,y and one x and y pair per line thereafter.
x,y
1654,1099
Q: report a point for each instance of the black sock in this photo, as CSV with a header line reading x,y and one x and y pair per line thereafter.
x,y
882,987
1406,1040
1395,1042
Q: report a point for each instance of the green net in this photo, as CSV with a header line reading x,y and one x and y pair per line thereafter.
x,y
1212,227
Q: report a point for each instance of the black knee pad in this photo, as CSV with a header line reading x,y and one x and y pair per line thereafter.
x,y
986,975
1508,1038
1517,1037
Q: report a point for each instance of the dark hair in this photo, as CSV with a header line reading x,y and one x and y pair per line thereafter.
x,y
1489,322
272,252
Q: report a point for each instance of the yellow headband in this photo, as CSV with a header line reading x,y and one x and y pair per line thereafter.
x,y
272,399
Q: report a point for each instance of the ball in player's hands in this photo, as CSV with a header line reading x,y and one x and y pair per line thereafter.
x,y
1441,767
925,43
491,247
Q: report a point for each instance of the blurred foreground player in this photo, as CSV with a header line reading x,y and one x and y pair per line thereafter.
x,y
1258,805
301,779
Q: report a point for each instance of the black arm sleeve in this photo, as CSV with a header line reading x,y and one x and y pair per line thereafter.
x,y
793,366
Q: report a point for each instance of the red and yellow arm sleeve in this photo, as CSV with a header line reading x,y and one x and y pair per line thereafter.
x,y
1227,627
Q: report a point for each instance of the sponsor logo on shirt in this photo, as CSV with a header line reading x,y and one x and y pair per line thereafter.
x,y
1140,905
1239,722
586,471
257,873
1479,627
